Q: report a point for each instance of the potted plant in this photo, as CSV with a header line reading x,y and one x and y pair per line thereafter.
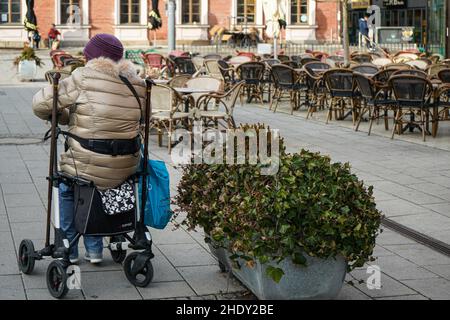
x,y
292,235
27,63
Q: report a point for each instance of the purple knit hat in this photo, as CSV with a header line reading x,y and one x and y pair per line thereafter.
x,y
104,45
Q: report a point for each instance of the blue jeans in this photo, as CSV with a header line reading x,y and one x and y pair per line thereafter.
x,y
93,245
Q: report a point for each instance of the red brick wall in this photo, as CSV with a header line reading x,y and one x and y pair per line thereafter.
x,y
45,14
101,15
326,20
219,12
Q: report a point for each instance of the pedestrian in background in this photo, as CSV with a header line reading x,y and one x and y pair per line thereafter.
x,y
53,36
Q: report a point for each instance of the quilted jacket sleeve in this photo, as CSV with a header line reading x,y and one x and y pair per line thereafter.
x,y
68,92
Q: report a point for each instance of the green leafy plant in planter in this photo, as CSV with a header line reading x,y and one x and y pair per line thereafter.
x,y
311,207
28,54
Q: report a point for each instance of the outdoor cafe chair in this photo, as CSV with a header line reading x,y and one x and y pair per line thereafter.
x,y
397,66
375,101
212,56
361,57
381,62
199,64
442,107
315,87
282,58
225,102
305,60
413,96
296,59
418,64
179,81
267,81
286,80
206,83
413,72
228,74
340,85
252,73
291,64
434,69
169,114
365,68
213,69
444,75
184,65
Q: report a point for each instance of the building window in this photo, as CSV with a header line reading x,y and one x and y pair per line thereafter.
x,y
191,11
246,11
130,11
70,12
10,11
299,11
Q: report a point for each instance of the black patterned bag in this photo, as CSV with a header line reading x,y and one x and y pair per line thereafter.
x,y
111,214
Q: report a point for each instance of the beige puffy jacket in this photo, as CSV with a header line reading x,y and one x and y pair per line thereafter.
x,y
96,104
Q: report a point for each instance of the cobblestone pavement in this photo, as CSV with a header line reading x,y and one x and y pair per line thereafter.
x,y
184,268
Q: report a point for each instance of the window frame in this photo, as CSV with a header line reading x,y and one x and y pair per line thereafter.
x,y
191,13
71,4
129,13
245,14
298,15
10,13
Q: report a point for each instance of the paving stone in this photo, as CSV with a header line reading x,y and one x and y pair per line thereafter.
x,y
43,294
27,214
187,255
209,280
4,223
15,178
438,288
443,270
389,237
6,242
426,223
108,285
389,286
11,288
18,188
28,230
8,263
442,208
349,292
408,297
161,290
419,254
401,269
20,200
398,207
171,236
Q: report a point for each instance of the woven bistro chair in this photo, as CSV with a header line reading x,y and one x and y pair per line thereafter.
x,y
267,81
444,75
212,56
228,74
291,64
375,101
316,93
341,87
225,103
418,64
169,113
412,72
365,68
305,60
282,58
199,64
381,62
205,83
442,107
252,73
154,61
184,65
413,98
397,66
434,69
179,81
212,68
361,57
286,80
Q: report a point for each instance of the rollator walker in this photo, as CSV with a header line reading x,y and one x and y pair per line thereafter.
x,y
91,221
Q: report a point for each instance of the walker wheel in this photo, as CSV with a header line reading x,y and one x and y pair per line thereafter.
x,y
26,258
138,276
118,255
57,279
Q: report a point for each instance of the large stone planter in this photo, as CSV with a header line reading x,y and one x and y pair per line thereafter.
x,y
27,70
321,279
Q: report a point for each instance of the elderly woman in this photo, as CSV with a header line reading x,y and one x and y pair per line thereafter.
x,y
96,104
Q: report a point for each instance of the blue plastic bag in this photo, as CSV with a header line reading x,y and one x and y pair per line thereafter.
x,y
157,211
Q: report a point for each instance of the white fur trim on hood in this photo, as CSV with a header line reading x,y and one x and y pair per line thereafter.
x,y
123,67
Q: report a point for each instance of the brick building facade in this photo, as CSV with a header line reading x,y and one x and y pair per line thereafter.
x,y
309,20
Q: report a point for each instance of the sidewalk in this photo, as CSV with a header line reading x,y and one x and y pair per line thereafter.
x,y
183,265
